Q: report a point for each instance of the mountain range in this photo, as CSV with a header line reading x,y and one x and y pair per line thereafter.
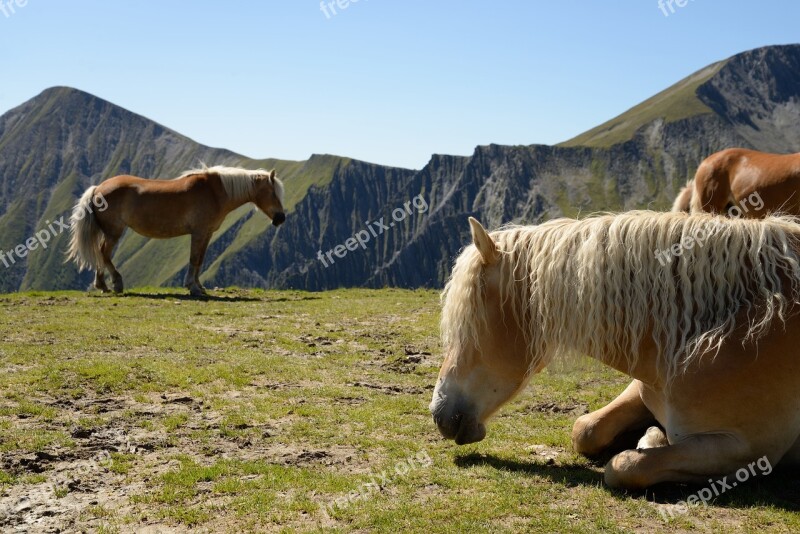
x,y
63,140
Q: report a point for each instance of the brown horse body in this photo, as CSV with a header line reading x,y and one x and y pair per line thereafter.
x,y
729,178
194,204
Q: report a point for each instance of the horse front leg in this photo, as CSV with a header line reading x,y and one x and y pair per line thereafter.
x,y
694,460
595,433
192,281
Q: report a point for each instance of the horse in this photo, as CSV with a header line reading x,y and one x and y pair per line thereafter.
x,y
195,203
709,338
726,179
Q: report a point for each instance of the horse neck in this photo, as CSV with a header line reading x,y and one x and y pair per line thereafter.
x,y
238,200
613,350
641,364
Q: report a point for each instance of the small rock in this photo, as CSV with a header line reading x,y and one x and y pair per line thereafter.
x,y
82,433
23,504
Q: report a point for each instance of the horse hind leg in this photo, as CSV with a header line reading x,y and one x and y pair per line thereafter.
x,y
100,281
654,437
712,189
792,456
107,249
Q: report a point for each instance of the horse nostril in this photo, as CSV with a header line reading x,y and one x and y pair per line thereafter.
x,y
279,219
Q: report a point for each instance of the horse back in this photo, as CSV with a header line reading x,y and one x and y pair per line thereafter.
x,y
731,176
127,182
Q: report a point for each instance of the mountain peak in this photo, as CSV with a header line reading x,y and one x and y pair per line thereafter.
x,y
770,73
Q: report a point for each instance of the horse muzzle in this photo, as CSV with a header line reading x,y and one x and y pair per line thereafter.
x,y
458,425
278,219
462,429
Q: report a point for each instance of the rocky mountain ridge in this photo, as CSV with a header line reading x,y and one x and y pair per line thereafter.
x,y
55,145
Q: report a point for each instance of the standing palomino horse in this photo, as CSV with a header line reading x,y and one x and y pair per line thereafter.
x,y
196,203
729,177
710,339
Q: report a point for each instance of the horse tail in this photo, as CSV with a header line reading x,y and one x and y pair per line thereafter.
x,y
683,202
86,236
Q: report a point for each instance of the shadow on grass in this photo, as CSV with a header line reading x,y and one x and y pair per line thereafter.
x,y
187,297
569,475
780,489
214,298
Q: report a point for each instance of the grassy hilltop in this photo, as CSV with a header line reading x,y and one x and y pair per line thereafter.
x,y
256,411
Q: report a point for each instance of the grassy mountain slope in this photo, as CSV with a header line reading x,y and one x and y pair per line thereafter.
x,y
677,102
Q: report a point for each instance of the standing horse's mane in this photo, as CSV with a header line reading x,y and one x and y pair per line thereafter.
x,y
238,182
579,287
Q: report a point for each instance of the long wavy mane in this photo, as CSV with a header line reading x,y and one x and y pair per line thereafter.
x,y
578,287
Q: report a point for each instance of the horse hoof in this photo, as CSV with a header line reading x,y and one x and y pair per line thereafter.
x,y
197,291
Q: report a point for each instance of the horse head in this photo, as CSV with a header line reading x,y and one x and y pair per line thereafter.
x,y
485,354
269,197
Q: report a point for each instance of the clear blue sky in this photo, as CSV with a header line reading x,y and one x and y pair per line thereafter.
x,y
387,81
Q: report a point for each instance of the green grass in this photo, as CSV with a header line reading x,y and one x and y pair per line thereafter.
x,y
266,411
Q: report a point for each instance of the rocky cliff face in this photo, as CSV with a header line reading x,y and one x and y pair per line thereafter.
x,y
54,146
758,95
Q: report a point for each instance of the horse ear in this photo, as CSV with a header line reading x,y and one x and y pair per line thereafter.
x,y
271,175
483,242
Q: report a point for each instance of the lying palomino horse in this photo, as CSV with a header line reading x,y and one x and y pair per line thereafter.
x,y
729,180
196,203
711,340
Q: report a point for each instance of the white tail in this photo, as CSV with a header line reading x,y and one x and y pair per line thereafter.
x,y
86,236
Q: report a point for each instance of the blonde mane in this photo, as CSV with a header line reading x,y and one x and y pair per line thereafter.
x,y
580,287
238,183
